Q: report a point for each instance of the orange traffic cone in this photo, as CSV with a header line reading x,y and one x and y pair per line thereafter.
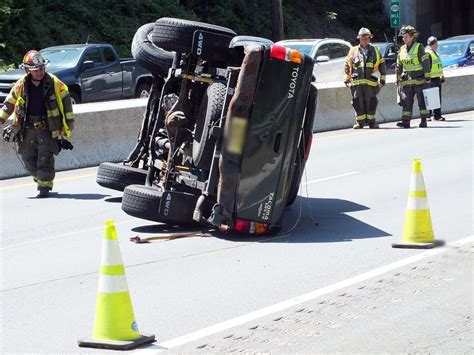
x,y
114,325
418,230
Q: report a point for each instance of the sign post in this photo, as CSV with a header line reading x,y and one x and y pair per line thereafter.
x,y
395,17
394,13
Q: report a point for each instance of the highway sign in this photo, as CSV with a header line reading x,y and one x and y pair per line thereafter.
x,y
394,13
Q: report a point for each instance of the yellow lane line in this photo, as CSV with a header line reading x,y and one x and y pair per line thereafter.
x,y
11,187
345,134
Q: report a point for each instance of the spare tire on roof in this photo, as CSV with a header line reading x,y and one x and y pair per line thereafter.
x,y
174,34
148,55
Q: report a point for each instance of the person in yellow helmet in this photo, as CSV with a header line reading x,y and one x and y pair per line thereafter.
x,y
364,73
412,75
39,110
436,73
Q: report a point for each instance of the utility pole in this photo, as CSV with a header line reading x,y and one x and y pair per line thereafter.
x,y
277,20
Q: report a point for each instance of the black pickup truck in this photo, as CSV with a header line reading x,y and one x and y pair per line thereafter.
x,y
225,139
93,72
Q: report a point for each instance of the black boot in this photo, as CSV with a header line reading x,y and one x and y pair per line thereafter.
x,y
423,123
403,124
43,192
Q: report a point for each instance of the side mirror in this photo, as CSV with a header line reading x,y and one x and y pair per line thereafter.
x,y
322,58
88,64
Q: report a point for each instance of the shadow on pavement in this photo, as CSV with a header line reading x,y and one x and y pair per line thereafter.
x,y
322,220
114,199
165,228
77,196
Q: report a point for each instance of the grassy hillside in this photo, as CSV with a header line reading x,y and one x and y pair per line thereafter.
x,y
27,24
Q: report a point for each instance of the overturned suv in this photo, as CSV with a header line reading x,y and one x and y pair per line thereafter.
x,y
226,133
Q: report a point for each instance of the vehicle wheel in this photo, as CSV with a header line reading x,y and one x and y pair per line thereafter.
x,y
74,98
143,91
209,112
142,202
118,176
149,56
174,34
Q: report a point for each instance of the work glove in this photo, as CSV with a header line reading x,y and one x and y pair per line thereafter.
x,y
347,83
66,144
382,83
442,79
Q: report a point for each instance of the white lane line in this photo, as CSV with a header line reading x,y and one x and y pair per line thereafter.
x,y
331,177
297,300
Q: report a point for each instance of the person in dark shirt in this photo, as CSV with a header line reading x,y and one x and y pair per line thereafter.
x,y
40,110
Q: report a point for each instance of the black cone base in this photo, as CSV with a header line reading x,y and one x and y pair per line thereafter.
x,y
117,344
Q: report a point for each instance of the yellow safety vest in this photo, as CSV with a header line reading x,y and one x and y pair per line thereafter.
x,y
57,116
409,59
436,65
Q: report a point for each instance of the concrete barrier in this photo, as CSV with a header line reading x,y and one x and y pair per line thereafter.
x,y
334,109
104,132
108,131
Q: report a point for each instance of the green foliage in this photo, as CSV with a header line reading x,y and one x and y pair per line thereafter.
x,y
36,24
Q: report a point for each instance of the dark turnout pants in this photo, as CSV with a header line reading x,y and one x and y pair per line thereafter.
x,y
37,152
364,101
408,96
436,82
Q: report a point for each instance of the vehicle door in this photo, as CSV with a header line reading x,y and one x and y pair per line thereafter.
x,y
92,76
470,54
322,67
113,71
337,54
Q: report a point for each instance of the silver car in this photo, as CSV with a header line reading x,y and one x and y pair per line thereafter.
x,y
329,56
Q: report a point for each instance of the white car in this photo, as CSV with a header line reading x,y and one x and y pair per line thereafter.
x,y
329,56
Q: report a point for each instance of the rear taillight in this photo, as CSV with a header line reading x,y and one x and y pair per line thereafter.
x,y
278,52
287,54
295,56
250,227
307,148
242,225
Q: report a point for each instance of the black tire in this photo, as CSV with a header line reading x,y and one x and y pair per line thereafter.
x,y
149,56
74,97
209,112
174,34
118,176
142,202
143,91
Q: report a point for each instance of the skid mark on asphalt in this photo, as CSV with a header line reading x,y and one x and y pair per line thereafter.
x,y
374,288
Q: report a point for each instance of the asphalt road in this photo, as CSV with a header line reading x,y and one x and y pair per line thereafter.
x,y
351,208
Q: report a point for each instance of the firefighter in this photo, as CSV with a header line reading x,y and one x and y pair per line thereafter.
x,y
40,111
413,75
436,72
364,73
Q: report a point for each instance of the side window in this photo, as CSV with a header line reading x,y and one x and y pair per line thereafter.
x,y
109,55
323,50
95,56
471,48
337,50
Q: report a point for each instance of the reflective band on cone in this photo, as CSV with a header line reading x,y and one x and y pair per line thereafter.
x,y
418,230
114,324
